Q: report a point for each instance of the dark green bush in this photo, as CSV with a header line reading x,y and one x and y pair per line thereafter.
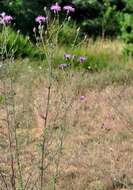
x,y
100,17
128,49
69,34
86,12
127,33
96,62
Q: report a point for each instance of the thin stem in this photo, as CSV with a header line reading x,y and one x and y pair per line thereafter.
x,y
76,37
3,179
12,178
16,139
43,143
59,157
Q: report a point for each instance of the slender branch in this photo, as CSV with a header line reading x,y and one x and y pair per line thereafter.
x,y
3,179
12,178
43,143
16,139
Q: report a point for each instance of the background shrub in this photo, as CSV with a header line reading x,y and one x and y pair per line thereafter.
x,y
127,33
20,44
68,34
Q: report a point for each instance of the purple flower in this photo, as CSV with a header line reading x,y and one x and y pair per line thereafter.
x,y
5,19
82,97
41,19
56,8
63,66
67,56
82,59
69,8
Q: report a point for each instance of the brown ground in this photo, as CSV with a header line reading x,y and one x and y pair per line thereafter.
x,y
98,142
98,146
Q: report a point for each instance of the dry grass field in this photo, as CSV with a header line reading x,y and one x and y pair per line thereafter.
x,y
89,132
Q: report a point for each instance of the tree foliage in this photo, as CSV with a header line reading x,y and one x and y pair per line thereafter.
x,y
97,17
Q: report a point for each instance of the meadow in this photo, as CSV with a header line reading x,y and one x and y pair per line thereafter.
x,y
65,110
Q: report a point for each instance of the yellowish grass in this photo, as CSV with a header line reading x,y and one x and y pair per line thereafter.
x,y
98,146
109,46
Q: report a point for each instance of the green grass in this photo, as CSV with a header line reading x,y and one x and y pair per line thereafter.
x,y
100,55
105,64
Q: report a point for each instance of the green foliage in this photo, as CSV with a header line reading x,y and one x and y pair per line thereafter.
x,y
128,49
68,33
96,61
127,33
100,17
96,16
129,6
19,45
127,28
2,99
108,16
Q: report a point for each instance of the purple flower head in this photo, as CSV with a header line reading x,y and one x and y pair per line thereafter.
x,y
82,97
41,19
56,8
68,8
5,19
67,56
63,66
82,59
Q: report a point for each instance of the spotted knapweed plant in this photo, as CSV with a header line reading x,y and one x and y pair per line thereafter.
x,y
14,178
48,38
47,34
